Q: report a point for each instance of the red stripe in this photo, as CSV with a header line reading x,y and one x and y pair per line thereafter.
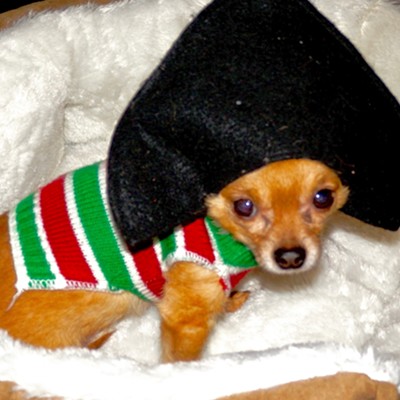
x,y
236,278
60,234
223,284
197,240
233,280
149,269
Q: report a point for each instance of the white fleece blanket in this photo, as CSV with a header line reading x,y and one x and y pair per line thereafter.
x,y
65,78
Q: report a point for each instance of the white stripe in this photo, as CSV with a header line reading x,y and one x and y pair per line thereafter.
x,y
158,251
125,253
220,267
80,234
182,254
180,243
59,282
165,264
23,279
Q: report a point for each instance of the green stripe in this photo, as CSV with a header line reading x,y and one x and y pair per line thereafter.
x,y
98,230
34,256
232,252
168,246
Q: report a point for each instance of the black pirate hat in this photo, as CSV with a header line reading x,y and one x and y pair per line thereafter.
x,y
250,82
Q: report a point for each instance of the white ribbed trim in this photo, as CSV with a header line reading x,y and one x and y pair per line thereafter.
x,y
18,258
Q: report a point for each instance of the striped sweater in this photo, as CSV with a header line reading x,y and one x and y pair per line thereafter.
x,y
64,237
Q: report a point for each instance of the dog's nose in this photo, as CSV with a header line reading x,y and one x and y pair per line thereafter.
x,y
290,258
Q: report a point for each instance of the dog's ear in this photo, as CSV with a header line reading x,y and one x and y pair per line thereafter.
x,y
249,82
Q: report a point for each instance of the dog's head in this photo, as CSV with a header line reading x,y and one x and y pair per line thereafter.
x,y
279,211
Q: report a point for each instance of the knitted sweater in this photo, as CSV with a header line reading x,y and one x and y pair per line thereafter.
x,y
64,237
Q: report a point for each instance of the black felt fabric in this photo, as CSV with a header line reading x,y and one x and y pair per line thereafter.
x,y
251,82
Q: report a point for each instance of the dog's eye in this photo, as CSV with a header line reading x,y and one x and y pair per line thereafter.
x,y
323,198
244,208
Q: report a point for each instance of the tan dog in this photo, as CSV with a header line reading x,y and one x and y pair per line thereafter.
x,y
278,211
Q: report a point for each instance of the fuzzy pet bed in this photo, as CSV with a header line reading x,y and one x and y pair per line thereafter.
x,y
65,77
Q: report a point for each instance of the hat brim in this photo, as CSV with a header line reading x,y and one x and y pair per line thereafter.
x,y
250,82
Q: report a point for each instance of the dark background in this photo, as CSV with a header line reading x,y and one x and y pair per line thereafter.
x,y
6,5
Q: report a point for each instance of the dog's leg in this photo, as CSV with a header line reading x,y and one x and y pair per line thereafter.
x,y
236,301
57,319
192,300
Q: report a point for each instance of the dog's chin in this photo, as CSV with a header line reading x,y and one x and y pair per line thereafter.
x,y
274,269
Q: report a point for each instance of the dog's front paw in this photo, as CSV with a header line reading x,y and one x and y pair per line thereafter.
x,y
192,299
236,300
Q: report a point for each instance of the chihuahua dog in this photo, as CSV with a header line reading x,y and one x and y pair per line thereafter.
x,y
271,218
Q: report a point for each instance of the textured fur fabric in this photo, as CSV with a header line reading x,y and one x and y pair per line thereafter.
x,y
66,77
